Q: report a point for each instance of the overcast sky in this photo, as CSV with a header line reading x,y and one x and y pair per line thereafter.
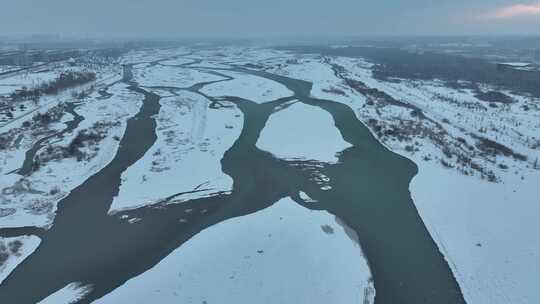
x,y
266,18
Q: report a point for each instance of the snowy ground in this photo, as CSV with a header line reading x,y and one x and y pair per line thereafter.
x,y
318,263
151,55
192,139
249,87
176,61
487,231
29,80
168,76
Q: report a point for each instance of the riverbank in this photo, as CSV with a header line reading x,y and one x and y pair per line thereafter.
x,y
476,223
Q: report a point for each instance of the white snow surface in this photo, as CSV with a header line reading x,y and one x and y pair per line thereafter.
x,y
278,255
192,139
302,131
25,79
169,76
487,231
150,55
176,61
256,89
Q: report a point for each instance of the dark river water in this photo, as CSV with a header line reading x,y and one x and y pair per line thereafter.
x,y
369,193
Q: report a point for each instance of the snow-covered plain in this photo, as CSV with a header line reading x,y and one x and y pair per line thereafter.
x,y
283,254
28,79
192,138
256,89
302,131
151,55
487,231
168,76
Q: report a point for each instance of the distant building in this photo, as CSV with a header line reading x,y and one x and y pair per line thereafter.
x,y
127,72
23,59
536,56
513,66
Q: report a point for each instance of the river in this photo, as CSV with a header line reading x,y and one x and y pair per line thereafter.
x,y
369,193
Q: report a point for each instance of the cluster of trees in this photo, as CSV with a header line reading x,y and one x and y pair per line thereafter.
x,y
100,59
428,66
63,81
88,138
399,63
494,96
13,247
73,149
5,141
52,115
494,148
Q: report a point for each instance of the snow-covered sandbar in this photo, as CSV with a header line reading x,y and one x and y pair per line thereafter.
x,y
302,131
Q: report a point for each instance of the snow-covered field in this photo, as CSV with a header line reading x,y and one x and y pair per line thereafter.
x,y
29,80
487,231
283,254
176,61
249,87
167,76
151,55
